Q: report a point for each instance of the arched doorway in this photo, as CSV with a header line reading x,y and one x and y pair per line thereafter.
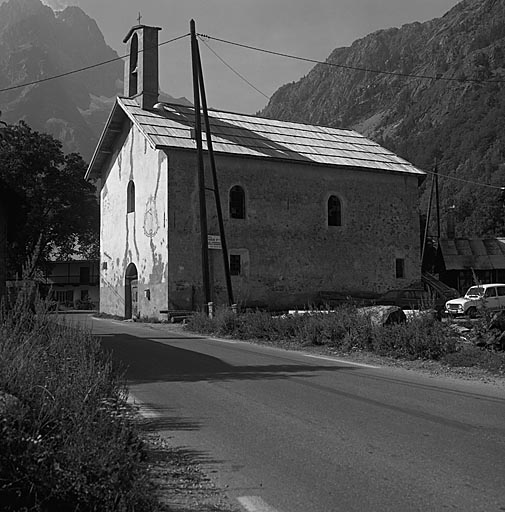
x,y
131,291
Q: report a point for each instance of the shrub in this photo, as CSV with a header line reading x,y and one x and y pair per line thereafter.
x,y
71,444
345,329
201,323
472,356
420,338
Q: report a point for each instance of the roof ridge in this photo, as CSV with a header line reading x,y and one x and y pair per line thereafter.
x,y
255,116
250,135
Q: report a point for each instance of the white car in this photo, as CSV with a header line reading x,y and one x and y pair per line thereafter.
x,y
484,296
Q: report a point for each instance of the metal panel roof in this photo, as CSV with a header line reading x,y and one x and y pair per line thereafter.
x,y
172,126
476,253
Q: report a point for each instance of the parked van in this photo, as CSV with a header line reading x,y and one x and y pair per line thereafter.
x,y
484,296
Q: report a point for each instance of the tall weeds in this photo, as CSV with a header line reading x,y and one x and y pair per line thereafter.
x,y
344,329
68,444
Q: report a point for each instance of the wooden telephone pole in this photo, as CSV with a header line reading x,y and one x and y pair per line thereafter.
x,y
434,187
199,94
201,168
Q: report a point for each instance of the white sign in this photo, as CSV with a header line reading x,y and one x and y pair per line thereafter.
x,y
214,242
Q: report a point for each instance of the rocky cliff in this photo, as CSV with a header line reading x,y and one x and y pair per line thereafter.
x,y
36,43
456,118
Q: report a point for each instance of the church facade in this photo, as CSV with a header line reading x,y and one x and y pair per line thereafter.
x,y
308,210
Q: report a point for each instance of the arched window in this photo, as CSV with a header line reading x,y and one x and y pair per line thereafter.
x,y
130,197
237,203
334,211
134,55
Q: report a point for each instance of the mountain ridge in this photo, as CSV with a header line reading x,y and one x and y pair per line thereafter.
x,y
37,43
457,124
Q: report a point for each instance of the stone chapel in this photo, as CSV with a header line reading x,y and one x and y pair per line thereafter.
x,y
308,210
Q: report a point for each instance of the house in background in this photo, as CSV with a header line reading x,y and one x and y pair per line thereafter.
x,y
307,208
460,261
72,283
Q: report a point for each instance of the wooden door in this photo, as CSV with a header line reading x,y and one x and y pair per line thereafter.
x,y
135,297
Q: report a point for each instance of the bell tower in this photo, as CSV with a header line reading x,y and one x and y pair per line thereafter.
x,y
141,66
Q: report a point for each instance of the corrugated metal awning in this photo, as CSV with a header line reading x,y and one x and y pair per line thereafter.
x,y
473,253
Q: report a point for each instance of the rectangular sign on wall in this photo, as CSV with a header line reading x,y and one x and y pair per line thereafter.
x,y
214,242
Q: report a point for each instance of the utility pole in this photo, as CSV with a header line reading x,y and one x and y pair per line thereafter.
x,y
427,220
438,202
201,168
210,148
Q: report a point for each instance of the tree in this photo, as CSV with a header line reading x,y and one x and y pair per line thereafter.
x,y
57,213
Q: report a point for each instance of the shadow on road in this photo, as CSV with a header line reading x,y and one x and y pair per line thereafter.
x,y
148,361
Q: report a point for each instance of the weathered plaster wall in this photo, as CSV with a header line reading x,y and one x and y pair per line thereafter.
x,y
139,237
290,253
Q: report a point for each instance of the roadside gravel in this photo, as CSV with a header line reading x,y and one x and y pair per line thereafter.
x,y
177,478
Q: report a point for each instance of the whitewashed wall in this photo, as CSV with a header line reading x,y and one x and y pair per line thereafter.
x,y
139,237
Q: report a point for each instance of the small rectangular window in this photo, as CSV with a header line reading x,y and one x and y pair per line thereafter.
x,y
400,268
235,265
84,275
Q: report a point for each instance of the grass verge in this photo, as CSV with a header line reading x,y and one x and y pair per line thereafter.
x,y
347,330
67,441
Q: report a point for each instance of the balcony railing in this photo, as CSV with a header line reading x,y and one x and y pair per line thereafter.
x,y
74,280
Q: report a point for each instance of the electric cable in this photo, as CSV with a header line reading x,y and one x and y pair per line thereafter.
x,y
352,68
202,38
270,52
280,54
234,70
470,182
67,73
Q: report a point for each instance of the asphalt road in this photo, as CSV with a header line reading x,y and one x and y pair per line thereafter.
x,y
287,432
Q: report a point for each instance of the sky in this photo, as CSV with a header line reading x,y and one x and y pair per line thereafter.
x,y
306,28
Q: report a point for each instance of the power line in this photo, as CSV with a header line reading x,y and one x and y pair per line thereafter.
x,y
455,178
470,182
271,52
54,77
353,68
280,54
234,70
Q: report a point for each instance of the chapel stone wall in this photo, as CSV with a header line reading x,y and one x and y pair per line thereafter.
x,y
289,254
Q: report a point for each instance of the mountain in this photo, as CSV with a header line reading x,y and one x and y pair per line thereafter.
x,y
36,43
456,119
